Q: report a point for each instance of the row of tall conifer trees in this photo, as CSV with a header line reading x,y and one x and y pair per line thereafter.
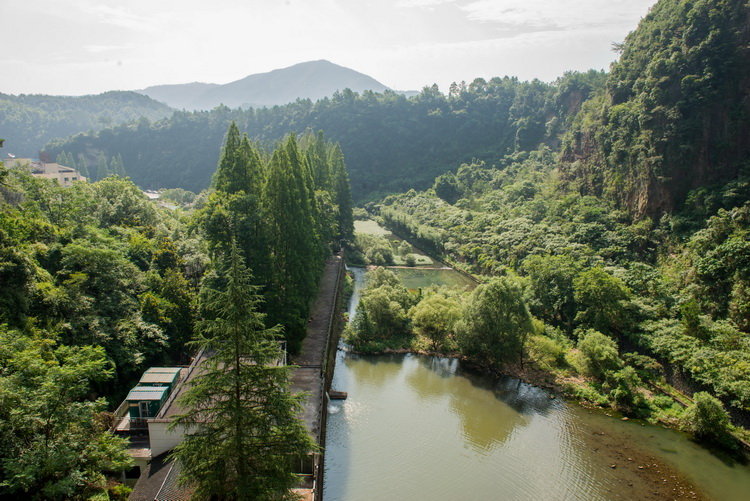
x,y
286,210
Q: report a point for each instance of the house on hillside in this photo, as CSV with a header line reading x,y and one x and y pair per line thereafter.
x,y
64,175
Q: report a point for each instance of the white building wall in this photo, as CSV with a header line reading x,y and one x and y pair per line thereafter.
x,y
163,439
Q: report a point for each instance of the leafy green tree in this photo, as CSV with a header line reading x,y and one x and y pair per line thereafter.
x,y
706,419
435,317
377,250
495,322
181,310
241,421
446,187
551,279
404,248
55,443
600,354
118,202
623,390
382,313
379,316
739,305
601,300
166,256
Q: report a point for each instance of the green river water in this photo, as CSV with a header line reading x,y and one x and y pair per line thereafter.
x,y
422,428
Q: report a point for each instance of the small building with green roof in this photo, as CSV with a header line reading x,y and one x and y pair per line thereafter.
x,y
145,401
161,376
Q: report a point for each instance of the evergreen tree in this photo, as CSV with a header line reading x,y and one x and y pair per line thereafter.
x,y
239,166
292,242
317,158
116,166
241,422
83,165
342,193
234,212
102,167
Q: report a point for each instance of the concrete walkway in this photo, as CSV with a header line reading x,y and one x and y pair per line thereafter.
x,y
308,377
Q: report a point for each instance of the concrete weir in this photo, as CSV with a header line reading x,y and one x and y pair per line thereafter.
x,y
313,370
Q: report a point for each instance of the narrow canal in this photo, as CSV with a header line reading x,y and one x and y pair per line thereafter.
x,y
422,428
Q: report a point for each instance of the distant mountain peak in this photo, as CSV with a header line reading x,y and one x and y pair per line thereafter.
x,y
306,80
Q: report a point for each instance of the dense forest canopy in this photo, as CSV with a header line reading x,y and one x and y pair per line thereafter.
x,y
29,121
608,216
391,142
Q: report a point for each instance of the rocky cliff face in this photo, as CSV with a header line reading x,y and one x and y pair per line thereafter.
x,y
675,115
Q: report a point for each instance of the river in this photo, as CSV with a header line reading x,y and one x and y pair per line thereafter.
x,y
422,428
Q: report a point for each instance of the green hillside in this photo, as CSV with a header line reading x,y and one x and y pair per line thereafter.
x,y
29,121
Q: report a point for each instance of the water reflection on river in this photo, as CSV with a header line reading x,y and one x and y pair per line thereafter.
x,y
418,428
421,428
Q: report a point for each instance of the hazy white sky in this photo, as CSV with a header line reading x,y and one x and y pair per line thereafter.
x,y
89,46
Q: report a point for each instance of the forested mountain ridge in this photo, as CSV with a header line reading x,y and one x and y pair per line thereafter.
x,y
29,121
309,80
391,142
676,112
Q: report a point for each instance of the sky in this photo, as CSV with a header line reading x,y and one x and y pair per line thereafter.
x,y
75,47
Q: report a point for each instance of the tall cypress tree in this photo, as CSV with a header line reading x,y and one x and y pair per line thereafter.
x,y
342,193
317,158
233,211
231,175
292,240
242,425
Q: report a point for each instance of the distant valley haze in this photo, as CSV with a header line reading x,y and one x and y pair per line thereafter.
x,y
83,47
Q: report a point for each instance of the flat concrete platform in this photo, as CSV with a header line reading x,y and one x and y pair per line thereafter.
x,y
308,376
313,348
308,380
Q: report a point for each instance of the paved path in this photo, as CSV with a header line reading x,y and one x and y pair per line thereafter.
x,y
313,348
308,376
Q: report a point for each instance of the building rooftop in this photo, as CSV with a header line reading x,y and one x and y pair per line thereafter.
x,y
160,481
171,408
163,370
160,375
147,393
